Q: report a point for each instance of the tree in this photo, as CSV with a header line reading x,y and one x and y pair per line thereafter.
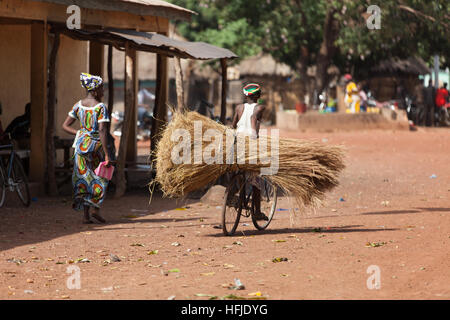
x,y
304,33
409,27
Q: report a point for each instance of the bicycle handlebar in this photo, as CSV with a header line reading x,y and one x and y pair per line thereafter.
x,y
6,146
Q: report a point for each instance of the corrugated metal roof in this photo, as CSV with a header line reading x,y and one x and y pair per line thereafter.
x,y
195,50
138,7
152,42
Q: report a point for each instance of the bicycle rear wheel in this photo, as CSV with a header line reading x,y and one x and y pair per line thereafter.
x,y
20,181
2,187
268,204
232,205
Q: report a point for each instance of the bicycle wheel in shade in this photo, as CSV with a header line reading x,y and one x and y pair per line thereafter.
x,y
20,181
232,205
2,187
268,204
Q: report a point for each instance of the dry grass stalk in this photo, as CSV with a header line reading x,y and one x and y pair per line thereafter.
x,y
306,169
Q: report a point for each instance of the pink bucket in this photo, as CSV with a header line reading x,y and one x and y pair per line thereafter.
x,y
104,172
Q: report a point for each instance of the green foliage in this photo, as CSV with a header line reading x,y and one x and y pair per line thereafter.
x,y
287,28
409,27
219,23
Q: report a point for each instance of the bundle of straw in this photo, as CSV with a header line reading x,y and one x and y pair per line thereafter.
x,y
306,169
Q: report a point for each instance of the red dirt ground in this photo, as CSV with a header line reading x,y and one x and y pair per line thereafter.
x,y
389,196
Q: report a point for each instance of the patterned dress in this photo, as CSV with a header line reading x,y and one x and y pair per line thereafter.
x,y
88,188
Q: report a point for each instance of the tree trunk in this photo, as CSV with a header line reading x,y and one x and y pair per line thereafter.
x,y
302,68
50,132
179,83
327,49
223,106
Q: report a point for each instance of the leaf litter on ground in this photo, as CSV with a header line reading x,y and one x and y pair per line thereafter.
x,y
275,260
375,244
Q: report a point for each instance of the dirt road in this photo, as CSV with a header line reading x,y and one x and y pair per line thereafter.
x,y
390,216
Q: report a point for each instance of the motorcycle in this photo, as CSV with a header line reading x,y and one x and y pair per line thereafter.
x,y
414,112
444,115
371,101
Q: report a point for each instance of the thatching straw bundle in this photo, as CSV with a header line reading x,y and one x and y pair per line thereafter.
x,y
306,170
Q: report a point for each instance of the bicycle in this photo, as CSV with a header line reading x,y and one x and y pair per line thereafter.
x,y
238,201
13,177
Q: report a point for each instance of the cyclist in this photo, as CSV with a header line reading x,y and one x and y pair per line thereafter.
x,y
247,120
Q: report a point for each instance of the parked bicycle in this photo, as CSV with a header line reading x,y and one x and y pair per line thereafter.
x,y
238,201
13,177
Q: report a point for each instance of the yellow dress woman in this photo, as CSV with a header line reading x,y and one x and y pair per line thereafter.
x,y
352,99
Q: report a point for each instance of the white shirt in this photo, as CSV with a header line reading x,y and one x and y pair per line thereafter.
x,y
244,124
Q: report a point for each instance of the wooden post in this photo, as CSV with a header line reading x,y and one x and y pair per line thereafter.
x,y
340,97
110,91
38,95
110,82
96,57
160,110
50,130
223,106
211,83
179,83
130,102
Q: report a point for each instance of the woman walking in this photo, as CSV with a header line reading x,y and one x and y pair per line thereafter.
x,y
90,148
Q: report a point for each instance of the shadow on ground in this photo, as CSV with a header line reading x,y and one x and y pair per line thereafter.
x,y
340,229
50,218
416,210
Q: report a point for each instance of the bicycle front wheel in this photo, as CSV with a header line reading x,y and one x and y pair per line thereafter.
x,y
268,204
232,205
20,181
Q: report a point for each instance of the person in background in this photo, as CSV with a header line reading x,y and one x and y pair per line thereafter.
x,y
19,128
145,117
144,94
400,95
363,97
419,101
441,96
90,145
429,99
352,99
18,133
